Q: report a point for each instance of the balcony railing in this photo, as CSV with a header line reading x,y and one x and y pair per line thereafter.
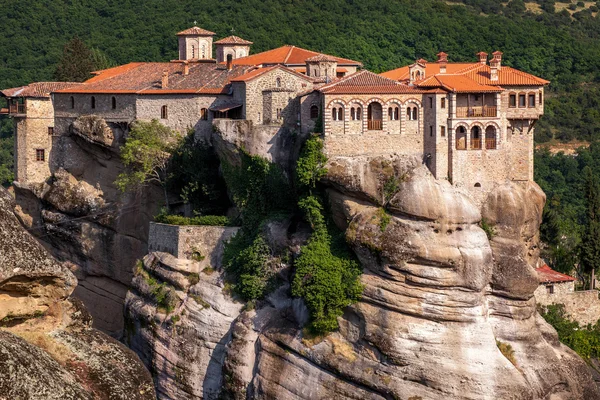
x,y
477,112
490,143
374,125
16,109
475,144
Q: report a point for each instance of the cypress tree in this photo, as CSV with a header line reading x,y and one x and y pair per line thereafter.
x,y
76,63
590,243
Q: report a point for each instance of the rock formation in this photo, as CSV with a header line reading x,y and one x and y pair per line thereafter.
x,y
82,218
447,310
48,349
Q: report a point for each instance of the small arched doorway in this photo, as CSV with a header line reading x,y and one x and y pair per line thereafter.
x,y
461,138
374,117
476,138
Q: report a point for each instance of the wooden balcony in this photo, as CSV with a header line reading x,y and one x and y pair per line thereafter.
x,y
13,109
477,112
475,144
374,125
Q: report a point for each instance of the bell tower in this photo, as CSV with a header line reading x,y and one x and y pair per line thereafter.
x,y
232,45
195,44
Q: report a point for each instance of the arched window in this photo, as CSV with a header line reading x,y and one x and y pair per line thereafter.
x,y
203,114
352,114
490,138
317,73
475,138
512,100
390,113
278,82
164,112
461,138
358,113
396,113
393,113
114,103
72,102
314,112
409,113
340,114
93,102
203,51
193,51
415,113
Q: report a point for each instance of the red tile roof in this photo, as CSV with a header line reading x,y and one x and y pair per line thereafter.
x,y
260,71
38,89
548,275
234,40
196,31
286,55
322,57
457,84
477,72
367,82
146,78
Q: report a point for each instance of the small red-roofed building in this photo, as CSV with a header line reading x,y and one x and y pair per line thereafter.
x,y
553,285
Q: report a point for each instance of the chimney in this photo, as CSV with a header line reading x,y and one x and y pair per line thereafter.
x,y
229,62
442,57
482,57
495,65
186,68
165,80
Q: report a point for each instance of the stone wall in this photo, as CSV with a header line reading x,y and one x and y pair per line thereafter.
x,y
124,110
582,306
32,133
200,243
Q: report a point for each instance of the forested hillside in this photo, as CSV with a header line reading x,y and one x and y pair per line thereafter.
x,y
557,41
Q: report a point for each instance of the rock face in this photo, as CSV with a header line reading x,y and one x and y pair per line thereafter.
x,y
82,218
48,349
447,310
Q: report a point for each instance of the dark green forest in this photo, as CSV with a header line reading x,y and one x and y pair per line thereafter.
x,y
557,41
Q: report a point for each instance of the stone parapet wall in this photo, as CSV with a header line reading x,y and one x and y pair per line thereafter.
x,y
582,306
200,243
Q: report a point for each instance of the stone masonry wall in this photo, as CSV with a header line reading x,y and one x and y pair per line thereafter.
x,y
201,243
582,306
123,112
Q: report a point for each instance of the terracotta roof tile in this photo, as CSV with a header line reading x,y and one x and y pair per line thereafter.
x,y
456,83
196,31
260,71
322,57
146,78
286,55
38,89
548,275
234,40
367,82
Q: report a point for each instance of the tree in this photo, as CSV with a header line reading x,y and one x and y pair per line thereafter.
x,y
147,156
76,63
590,243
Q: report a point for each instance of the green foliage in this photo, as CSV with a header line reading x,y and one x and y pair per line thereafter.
x,y
326,275
76,63
310,167
489,230
390,188
194,176
585,341
384,219
146,155
6,152
193,278
249,265
590,243
210,220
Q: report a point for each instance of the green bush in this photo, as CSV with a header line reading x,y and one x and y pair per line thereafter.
x,y
310,167
585,341
326,275
210,220
489,230
248,266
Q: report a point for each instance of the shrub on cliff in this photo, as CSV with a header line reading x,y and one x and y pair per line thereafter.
x,y
585,341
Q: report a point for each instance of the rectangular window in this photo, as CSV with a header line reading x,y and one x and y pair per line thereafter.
x,y
431,102
40,155
430,130
164,112
50,130
550,289
443,103
540,101
512,100
278,113
532,100
443,131
522,100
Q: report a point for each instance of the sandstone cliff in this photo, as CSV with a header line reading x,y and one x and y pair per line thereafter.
x,y
48,349
82,218
447,310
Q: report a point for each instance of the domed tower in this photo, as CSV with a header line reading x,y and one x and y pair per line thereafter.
x,y
236,46
321,66
195,44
